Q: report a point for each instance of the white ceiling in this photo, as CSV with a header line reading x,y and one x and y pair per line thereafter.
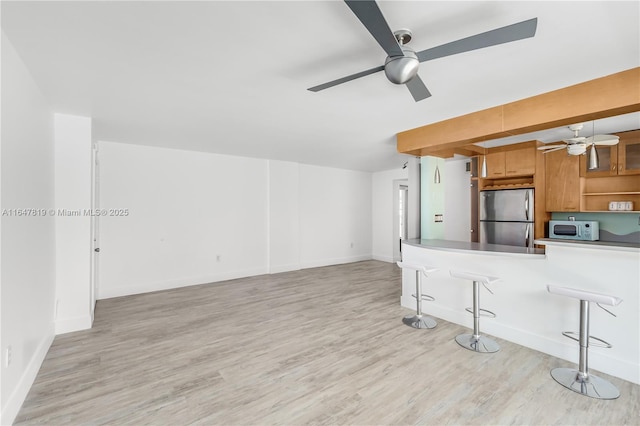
x,y
231,77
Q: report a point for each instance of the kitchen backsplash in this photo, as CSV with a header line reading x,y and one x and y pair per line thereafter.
x,y
618,227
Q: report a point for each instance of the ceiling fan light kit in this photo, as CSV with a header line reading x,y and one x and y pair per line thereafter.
x,y
578,145
402,63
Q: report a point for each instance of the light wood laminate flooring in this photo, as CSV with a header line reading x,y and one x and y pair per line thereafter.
x,y
317,346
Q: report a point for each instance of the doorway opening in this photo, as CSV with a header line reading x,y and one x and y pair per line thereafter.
x,y
400,216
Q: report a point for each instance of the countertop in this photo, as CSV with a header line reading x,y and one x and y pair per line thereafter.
x,y
601,245
479,248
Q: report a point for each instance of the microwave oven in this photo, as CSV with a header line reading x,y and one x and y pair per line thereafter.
x,y
583,230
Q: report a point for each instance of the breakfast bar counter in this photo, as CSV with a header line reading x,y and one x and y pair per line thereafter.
x,y
478,248
526,313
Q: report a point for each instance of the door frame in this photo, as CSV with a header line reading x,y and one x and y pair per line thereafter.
x,y
95,227
397,185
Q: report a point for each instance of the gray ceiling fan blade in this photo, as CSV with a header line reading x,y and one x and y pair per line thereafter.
x,y
371,17
518,31
345,79
418,89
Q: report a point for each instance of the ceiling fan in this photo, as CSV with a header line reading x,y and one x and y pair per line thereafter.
x,y
402,63
577,145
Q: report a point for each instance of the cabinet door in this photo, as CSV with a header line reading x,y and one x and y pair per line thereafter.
x,y
562,181
607,159
629,153
520,162
495,164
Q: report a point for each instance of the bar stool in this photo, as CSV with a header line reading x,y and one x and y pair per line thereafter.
x,y
418,320
475,342
580,380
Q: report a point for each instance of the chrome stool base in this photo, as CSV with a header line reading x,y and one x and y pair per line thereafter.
x,y
592,386
480,344
419,321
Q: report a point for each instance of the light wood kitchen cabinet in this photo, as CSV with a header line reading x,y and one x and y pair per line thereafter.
x,y
520,162
562,182
495,164
617,160
629,153
598,193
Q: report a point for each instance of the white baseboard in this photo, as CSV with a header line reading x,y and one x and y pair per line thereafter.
x,y
106,292
334,261
387,259
137,288
276,269
15,400
68,325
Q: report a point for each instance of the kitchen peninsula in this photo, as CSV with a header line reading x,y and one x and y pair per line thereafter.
x,y
526,313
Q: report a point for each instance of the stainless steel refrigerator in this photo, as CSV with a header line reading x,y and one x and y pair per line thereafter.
x,y
506,217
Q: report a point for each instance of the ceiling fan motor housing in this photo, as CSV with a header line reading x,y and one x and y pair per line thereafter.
x,y
401,69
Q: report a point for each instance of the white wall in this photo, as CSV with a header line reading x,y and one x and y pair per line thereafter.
x,y
187,208
335,216
284,216
382,212
192,218
28,243
73,223
457,201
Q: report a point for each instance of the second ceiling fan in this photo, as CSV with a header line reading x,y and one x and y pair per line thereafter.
x,y
402,63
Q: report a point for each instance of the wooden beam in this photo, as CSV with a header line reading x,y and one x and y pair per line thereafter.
x,y
608,96
448,153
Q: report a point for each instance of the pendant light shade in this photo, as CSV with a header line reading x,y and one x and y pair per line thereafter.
x,y
483,173
594,163
436,176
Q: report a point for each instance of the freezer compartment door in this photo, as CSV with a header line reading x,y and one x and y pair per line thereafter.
x,y
507,205
508,233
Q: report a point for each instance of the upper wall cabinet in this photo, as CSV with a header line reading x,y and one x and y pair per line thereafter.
x,y
616,160
521,162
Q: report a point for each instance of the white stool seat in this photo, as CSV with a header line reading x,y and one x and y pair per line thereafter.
x,y
604,299
417,267
473,276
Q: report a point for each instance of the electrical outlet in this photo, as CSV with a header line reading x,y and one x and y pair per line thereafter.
x,y
218,258
7,356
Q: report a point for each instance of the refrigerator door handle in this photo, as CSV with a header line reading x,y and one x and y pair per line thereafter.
x,y
526,235
526,205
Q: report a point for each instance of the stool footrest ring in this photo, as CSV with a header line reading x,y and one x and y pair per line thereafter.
x,y
482,312
425,297
593,341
